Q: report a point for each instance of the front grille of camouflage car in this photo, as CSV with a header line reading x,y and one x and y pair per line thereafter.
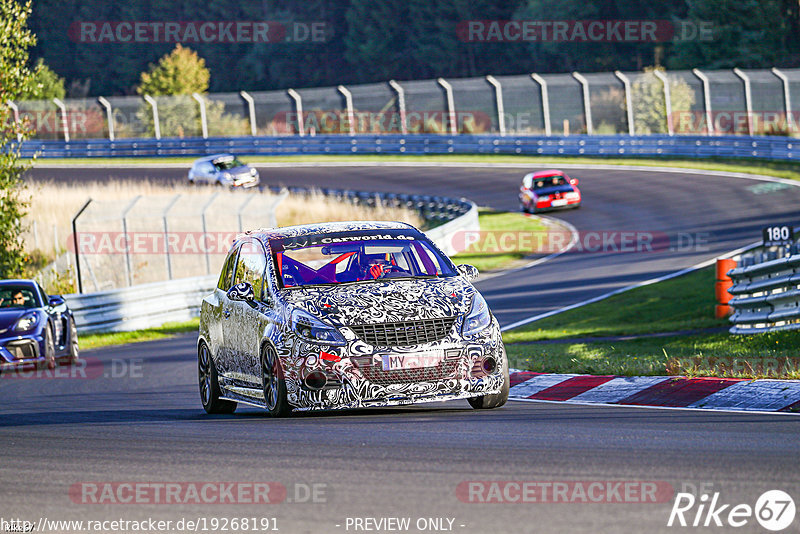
x,y
376,374
404,333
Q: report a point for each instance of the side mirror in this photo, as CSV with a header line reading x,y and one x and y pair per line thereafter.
x,y
468,271
574,181
55,301
242,292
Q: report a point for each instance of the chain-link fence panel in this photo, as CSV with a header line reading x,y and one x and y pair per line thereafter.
x,y
324,111
793,79
227,115
43,119
154,238
522,99
376,108
687,100
101,244
476,106
566,104
179,116
650,105
86,119
426,107
275,113
728,109
607,103
769,111
133,117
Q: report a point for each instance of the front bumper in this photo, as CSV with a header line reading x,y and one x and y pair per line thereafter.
x,y
20,351
352,384
245,183
548,205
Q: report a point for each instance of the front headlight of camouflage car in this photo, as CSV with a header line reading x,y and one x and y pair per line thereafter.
x,y
478,317
311,329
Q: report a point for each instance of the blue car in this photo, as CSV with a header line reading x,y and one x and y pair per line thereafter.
x,y
36,330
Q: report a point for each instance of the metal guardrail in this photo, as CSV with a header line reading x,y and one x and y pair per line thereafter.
x,y
690,146
142,306
151,305
766,296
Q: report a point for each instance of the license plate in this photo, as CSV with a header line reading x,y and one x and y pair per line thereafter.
x,y
559,202
412,360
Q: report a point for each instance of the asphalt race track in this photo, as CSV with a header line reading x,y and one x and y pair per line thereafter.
x,y
136,417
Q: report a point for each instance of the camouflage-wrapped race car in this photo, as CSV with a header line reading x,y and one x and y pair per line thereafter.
x,y
346,315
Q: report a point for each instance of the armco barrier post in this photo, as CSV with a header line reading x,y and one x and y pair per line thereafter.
x,y
128,267
201,103
545,102
298,109
401,105
273,208
156,125
667,100
109,115
75,243
500,107
64,121
587,102
241,210
205,230
164,223
724,282
251,109
15,110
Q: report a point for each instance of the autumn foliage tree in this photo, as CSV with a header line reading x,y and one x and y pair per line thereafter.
x,y
15,79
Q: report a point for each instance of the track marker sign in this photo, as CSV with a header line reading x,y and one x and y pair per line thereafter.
x,y
778,235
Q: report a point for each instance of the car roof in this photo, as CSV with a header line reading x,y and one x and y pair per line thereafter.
x,y
214,156
18,281
265,234
544,174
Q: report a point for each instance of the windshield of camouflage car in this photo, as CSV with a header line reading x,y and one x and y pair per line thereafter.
x,y
349,260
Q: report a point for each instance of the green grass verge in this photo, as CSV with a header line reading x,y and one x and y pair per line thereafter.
x,y
95,341
683,303
779,169
500,221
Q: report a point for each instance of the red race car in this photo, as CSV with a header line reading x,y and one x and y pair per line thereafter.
x,y
548,190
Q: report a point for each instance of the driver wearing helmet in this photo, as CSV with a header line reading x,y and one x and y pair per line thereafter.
x,y
374,266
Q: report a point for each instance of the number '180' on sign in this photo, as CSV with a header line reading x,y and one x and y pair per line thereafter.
x,y
778,235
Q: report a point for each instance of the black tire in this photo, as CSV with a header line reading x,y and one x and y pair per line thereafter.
x,y
49,348
74,350
209,384
273,383
523,208
487,402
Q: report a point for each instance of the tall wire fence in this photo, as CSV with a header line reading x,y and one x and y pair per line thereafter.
x,y
742,102
147,238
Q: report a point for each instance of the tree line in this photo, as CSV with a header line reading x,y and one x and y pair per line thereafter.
x,y
328,42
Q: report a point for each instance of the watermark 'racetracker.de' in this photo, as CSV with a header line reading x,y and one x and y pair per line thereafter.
x,y
583,31
565,491
197,32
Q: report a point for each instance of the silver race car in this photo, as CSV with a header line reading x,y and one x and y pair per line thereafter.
x,y
346,315
224,170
